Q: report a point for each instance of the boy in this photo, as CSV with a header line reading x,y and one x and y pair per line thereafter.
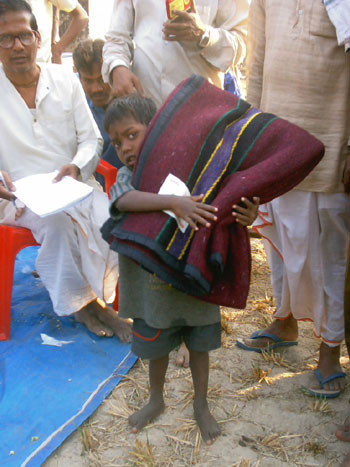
x,y
163,316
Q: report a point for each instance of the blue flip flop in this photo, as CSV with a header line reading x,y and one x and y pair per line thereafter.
x,y
277,342
325,393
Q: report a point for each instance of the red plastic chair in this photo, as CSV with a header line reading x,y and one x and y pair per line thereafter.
x,y
14,239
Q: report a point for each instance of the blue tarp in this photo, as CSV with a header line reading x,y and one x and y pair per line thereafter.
x,y
46,392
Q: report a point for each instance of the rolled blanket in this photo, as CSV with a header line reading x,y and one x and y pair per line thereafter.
x,y
224,148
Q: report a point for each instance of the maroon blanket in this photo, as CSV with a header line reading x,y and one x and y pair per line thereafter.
x,y
220,146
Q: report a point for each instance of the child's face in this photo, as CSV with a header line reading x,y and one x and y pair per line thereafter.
x,y
126,136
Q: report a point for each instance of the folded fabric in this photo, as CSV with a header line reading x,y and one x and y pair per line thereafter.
x,y
339,13
224,148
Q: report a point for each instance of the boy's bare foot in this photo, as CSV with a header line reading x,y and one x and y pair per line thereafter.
x,y
328,365
109,318
87,317
207,424
183,356
285,329
147,414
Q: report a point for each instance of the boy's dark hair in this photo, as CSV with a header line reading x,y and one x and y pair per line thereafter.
x,y
7,6
142,109
87,53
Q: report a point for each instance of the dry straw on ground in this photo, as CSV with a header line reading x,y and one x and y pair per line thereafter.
x,y
265,417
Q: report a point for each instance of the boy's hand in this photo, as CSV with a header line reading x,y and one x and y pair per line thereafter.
x,y
191,210
246,215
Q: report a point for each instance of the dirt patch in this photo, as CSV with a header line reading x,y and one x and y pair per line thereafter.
x,y
266,418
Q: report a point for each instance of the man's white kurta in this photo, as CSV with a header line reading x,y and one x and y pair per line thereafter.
x,y
74,263
136,37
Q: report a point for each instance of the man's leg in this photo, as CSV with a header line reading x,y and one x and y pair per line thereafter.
x,y
334,215
59,266
285,226
343,432
284,327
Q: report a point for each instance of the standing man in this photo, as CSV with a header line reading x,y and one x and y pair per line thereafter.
x,y
52,48
298,70
87,58
147,52
46,125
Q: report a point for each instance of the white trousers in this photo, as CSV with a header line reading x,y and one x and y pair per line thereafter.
x,y
74,263
306,240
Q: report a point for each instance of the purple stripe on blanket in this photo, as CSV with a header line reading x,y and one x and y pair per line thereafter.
x,y
214,172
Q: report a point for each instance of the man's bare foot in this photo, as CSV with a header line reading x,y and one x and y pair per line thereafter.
x,y
147,414
285,329
183,356
346,461
343,433
207,424
87,317
328,365
110,318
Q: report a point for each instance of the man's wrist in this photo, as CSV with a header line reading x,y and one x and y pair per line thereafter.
x,y
204,39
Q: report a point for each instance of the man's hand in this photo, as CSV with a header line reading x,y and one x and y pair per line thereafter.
x,y
125,82
190,209
346,176
7,194
186,27
69,170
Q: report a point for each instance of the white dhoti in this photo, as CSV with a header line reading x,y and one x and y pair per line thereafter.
x,y
306,238
74,263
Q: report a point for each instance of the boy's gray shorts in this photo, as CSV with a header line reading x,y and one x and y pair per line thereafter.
x,y
151,343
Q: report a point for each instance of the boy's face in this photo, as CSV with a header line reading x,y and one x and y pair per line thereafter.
x,y
126,136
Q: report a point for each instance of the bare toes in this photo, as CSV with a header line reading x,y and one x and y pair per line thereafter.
x,y
110,318
85,317
183,356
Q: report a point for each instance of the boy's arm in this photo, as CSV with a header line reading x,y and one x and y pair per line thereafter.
x,y
188,208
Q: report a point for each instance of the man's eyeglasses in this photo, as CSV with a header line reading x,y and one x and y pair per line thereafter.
x,y
27,38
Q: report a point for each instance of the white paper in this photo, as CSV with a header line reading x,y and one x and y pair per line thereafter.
x,y
44,197
48,340
174,186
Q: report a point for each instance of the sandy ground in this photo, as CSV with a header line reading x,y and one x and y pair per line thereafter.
x,y
266,418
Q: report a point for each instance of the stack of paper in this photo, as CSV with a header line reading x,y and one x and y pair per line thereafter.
x,y
43,196
172,185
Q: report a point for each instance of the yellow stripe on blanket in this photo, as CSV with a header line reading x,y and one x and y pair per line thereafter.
x,y
216,181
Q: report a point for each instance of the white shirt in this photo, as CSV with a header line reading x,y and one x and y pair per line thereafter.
x,y
62,131
42,10
135,36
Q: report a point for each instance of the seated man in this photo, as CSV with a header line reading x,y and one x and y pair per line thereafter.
x,y
46,125
87,58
